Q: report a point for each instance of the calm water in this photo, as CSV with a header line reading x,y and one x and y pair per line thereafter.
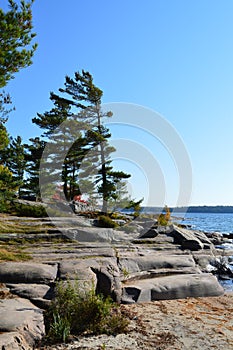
x,y
208,222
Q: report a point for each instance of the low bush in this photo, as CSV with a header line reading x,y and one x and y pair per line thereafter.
x,y
36,211
74,312
106,221
162,221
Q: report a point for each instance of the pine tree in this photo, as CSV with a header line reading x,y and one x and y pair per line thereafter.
x,y
15,33
15,54
7,188
14,159
4,140
33,156
64,146
81,93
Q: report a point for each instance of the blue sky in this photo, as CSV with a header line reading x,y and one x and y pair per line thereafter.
x,y
172,56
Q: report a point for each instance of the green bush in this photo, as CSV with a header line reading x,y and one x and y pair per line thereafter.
x,y
75,311
106,221
36,211
162,221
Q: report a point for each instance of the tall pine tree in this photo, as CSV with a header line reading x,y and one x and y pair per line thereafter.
x,y
84,101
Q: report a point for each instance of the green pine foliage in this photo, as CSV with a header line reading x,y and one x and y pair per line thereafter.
x,y
87,160
7,188
136,206
14,158
16,52
15,28
33,156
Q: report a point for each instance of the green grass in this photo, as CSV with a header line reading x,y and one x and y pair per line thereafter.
x,y
13,255
20,227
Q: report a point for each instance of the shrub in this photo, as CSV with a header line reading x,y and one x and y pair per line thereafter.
x,y
106,221
163,219
36,211
75,311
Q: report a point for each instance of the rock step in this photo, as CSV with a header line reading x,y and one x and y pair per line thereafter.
x,y
171,287
21,324
160,273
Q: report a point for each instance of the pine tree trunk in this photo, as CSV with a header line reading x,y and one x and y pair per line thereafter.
x,y
103,168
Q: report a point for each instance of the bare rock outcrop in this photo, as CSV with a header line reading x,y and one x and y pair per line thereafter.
x,y
171,287
21,324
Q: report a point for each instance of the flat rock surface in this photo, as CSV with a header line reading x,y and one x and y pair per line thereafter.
x,y
172,287
182,324
30,291
21,324
25,272
16,312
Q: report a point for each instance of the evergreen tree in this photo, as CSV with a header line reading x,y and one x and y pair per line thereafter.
x,y
4,140
64,146
33,156
15,53
15,161
15,34
81,93
7,188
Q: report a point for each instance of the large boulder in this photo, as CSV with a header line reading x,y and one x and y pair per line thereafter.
x,y
25,272
101,273
155,230
186,238
78,270
21,324
171,287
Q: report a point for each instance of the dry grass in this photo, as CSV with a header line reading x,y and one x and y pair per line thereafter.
x,y
14,254
22,227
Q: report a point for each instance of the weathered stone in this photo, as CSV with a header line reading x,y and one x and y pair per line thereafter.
x,y
153,232
96,234
20,272
21,316
186,239
31,291
204,260
13,341
108,279
41,303
102,273
79,270
172,287
149,262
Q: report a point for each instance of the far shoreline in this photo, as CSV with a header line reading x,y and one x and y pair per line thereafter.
x,y
207,209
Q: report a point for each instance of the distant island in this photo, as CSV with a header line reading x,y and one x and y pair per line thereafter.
x,y
220,209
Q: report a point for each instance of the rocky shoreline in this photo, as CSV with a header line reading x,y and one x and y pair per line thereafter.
x,y
134,265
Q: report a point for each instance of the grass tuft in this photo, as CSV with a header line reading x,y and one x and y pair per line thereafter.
x,y
12,255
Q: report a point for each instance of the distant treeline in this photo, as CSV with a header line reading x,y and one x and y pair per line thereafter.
x,y
207,209
194,209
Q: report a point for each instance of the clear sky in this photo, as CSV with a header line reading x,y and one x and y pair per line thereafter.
x,y
172,56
